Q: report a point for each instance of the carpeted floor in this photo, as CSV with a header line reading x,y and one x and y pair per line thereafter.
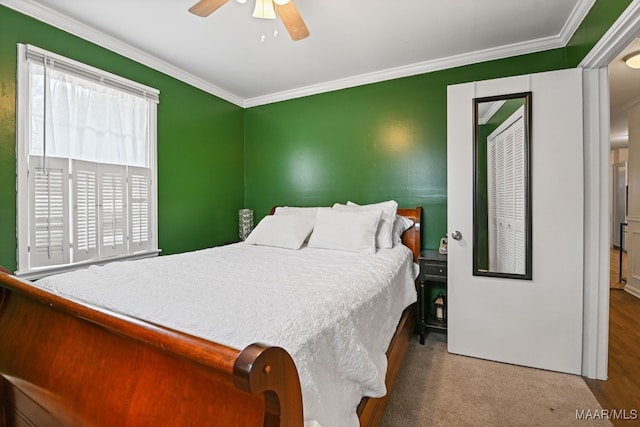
x,y
435,388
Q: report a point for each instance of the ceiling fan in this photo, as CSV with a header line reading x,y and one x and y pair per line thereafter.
x,y
286,10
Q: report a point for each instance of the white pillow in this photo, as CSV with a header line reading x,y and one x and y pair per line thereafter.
x,y
283,231
400,225
384,237
352,231
300,211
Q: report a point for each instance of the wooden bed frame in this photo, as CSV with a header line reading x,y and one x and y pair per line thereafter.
x,y
65,363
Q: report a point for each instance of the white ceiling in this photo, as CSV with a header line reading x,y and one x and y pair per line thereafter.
x,y
624,88
352,42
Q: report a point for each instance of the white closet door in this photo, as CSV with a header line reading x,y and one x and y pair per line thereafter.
x,y
506,195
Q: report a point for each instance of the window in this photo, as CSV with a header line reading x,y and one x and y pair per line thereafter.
x,y
86,165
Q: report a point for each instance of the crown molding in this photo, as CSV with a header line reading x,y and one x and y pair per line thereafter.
x,y
575,19
412,70
76,28
577,16
51,17
617,37
494,107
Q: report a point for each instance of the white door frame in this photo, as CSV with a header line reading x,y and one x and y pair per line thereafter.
x,y
596,189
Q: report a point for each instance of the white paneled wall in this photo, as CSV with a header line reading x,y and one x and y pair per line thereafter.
x,y
633,219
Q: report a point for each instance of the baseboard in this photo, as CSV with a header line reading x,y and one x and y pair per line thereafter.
x,y
632,290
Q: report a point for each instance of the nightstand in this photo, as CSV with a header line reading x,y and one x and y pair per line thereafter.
x,y
431,281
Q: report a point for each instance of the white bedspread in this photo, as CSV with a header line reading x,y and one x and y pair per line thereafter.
x,y
334,312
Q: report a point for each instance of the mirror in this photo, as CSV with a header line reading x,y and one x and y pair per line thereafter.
x,y
502,186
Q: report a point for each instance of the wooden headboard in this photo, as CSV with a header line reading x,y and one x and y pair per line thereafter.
x,y
411,237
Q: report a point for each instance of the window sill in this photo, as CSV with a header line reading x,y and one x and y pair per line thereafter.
x,y
48,271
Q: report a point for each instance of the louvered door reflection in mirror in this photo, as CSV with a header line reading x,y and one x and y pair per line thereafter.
x,y
502,186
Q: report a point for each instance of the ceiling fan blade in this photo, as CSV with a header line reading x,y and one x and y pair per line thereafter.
x,y
292,20
206,7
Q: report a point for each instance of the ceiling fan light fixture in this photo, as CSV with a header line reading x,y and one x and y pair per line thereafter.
x,y
632,60
287,12
264,9
241,1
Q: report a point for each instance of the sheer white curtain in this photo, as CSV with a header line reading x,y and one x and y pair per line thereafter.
x,y
86,120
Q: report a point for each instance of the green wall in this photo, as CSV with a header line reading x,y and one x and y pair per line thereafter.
x,y
200,143
369,143
380,141
599,19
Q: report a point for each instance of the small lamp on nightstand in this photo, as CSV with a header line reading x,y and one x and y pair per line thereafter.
x,y
440,305
245,221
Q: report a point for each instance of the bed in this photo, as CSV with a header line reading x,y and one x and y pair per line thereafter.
x,y
66,361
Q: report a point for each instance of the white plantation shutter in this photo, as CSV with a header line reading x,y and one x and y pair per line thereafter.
x,y
139,208
506,191
48,241
112,210
85,196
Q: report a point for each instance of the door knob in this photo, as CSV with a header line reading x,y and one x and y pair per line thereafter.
x,y
456,235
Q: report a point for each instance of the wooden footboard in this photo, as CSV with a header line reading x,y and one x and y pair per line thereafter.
x,y
69,364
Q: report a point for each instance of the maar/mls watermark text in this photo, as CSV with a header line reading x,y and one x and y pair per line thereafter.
x,y
606,414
